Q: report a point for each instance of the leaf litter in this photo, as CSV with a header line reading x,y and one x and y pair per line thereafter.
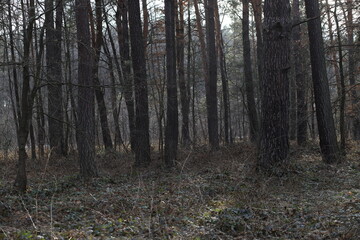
x,y
209,195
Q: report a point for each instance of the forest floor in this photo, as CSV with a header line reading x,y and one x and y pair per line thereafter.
x,y
210,195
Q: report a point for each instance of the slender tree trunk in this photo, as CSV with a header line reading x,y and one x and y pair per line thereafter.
x,y
300,79
183,84
326,126
342,85
142,145
211,96
249,85
351,70
274,138
26,103
86,95
257,8
97,42
224,79
123,39
171,130
54,75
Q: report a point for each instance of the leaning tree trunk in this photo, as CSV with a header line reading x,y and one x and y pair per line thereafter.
x,y
142,145
274,136
249,85
86,96
326,126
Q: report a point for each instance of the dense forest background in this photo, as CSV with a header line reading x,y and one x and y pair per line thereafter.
x,y
100,89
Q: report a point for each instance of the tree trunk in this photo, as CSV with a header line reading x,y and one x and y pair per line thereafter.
x,y
257,7
342,93
97,42
249,85
224,78
351,69
326,126
123,38
142,145
211,88
54,75
26,103
183,84
274,136
86,100
171,130
300,80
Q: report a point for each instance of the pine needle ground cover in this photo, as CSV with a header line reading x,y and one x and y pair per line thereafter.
x,y
209,195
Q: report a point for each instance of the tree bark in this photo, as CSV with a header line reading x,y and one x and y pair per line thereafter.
x,y
86,95
326,126
224,78
97,42
249,85
54,75
274,136
123,39
171,130
142,145
27,98
183,84
300,79
211,88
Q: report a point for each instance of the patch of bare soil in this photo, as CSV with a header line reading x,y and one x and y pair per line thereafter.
x,y
209,195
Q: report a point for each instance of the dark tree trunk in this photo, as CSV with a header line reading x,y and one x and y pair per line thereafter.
x,y
183,85
211,88
99,91
123,37
27,98
274,136
351,69
224,78
300,79
249,85
257,7
54,75
86,96
171,130
326,126
142,145
342,93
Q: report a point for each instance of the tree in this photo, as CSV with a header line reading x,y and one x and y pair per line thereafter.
x,y
183,85
171,131
326,126
300,80
274,139
249,85
86,95
54,75
26,104
211,87
142,145
97,42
